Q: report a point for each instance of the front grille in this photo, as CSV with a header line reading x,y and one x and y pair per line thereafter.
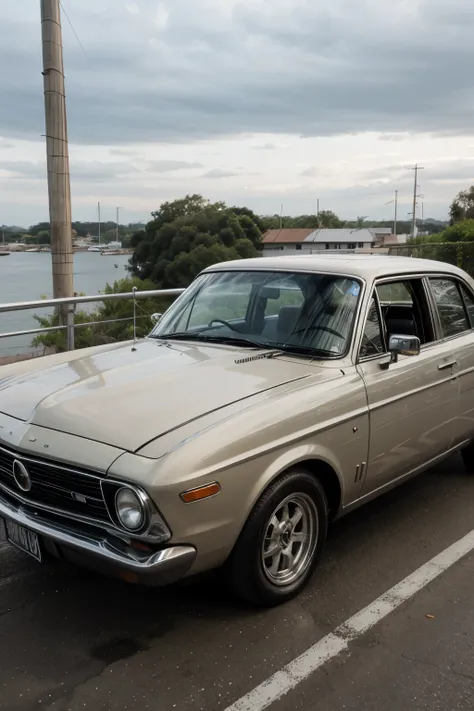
x,y
54,486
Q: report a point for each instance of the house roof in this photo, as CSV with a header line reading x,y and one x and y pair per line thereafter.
x,y
349,235
287,236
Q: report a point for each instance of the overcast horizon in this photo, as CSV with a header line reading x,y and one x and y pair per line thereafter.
x,y
254,102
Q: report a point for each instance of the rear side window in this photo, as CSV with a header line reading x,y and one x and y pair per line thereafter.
x,y
450,305
469,301
405,309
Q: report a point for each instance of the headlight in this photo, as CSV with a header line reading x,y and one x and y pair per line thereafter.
x,y
130,510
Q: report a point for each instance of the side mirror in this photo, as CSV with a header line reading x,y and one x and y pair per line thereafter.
x,y
156,318
401,345
404,345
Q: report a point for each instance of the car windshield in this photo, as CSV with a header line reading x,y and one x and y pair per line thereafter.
x,y
303,313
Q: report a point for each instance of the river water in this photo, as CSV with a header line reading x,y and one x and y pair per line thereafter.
x,y
27,277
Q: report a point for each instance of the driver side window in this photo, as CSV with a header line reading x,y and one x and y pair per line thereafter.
x,y
372,340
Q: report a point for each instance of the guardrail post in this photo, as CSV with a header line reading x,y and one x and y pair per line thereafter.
x,y
70,326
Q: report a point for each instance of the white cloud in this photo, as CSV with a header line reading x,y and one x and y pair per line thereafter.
x,y
132,8
161,16
218,173
247,101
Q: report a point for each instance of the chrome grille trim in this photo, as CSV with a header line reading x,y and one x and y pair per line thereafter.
x,y
56,488
44,461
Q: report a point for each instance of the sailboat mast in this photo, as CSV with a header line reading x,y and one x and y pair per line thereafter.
x,y
98,211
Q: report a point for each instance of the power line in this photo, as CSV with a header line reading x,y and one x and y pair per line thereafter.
x,y
72,27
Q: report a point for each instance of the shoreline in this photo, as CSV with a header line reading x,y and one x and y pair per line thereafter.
x,y
27,277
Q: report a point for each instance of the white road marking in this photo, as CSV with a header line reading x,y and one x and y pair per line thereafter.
x,y
330,646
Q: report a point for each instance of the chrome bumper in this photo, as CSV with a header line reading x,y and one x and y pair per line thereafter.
x,y
95,549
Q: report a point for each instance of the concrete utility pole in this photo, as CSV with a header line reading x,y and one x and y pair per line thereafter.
x,y
415,187
59,188
395,213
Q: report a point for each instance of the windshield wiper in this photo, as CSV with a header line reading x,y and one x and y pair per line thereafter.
x,y
177,335
246,342
226,340
239,341
304,350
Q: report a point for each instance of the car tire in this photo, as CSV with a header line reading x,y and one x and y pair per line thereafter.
x,y
468,458
282,540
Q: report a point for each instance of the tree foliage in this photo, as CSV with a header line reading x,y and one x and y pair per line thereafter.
x,y
462,231
454,245
325,218
462,207
36,233
188,235
41,237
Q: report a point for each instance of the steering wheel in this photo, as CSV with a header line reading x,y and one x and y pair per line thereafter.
x,y
328,329
224,323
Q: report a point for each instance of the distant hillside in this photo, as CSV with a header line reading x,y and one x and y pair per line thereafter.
x,y
12,229
432,221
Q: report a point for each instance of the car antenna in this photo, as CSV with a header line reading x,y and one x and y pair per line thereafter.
x,y
134,347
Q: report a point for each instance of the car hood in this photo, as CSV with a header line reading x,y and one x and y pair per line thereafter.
x,y
128,397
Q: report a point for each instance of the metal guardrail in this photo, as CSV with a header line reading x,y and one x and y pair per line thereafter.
x,y
71,303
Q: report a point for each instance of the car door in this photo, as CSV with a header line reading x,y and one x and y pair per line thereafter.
x,y
413,403
454,302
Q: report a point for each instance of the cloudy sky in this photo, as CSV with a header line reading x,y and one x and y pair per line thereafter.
x,y
255,102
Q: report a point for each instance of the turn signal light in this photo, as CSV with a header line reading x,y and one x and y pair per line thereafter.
x,y
202,492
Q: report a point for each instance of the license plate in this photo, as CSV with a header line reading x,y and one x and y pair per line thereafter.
x,y
22,538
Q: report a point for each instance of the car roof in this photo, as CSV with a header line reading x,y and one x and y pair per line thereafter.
x,y
365,266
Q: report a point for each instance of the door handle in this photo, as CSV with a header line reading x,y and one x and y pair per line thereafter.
x,y
444,366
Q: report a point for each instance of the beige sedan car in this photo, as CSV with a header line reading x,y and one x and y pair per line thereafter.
x,y
273,396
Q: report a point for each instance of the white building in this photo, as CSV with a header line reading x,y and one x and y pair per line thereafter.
x,y
310,240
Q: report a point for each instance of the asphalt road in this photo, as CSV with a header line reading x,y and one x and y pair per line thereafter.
x,y
70,639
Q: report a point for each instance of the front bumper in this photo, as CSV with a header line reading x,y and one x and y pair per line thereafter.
x,y
95,548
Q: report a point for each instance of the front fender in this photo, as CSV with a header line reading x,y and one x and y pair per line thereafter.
x,y
246,452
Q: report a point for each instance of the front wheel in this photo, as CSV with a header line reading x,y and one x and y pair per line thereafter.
x,y
281,541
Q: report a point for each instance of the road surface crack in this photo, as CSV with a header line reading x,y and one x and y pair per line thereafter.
x,y
439,667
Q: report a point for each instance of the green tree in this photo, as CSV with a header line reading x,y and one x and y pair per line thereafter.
x,y
462,231
43,237
188,235
462,207
185,207
40,227
247,212
325,219
455,245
